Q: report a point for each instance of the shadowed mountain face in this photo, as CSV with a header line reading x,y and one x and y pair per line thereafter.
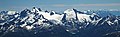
x,y
71,23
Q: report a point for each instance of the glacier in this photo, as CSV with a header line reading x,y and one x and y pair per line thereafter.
x,y
71,23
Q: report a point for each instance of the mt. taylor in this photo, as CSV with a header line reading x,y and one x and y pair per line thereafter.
x,y
70,23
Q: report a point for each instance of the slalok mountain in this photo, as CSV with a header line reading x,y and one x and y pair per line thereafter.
x,y
70,23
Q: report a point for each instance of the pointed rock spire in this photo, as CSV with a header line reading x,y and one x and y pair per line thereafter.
x,y
52,12
42,17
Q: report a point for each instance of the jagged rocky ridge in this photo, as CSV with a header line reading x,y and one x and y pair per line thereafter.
x,y
71,23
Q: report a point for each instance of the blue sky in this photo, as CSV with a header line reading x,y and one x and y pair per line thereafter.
x,y
59,5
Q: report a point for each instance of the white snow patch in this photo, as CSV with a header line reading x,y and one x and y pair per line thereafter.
x,y
85,11
31,20
39,22
1,17
83,17
24,19
109,22
11,12
29,27
23,25
116,20
51,17
16,15
93,14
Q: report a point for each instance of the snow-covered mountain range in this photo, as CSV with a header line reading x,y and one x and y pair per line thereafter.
x,y
70,21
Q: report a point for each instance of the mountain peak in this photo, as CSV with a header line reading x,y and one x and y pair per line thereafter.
x,y
70,14
69,10
35,9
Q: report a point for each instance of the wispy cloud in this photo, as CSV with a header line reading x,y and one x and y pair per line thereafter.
x,y
112,4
